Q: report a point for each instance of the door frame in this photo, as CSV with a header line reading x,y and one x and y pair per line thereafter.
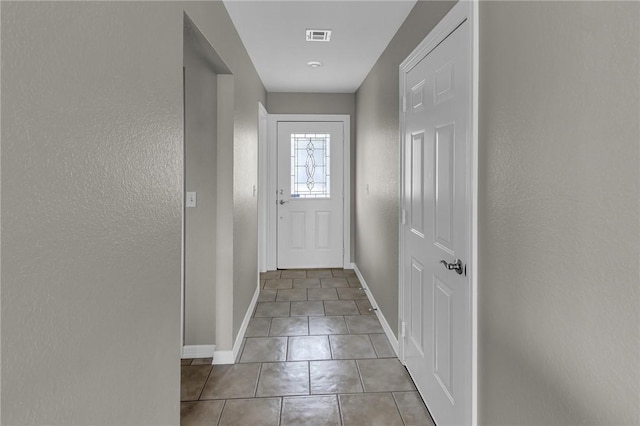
x,y
462,11
272,181
263,138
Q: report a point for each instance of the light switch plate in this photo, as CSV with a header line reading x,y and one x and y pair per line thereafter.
x,y
191,199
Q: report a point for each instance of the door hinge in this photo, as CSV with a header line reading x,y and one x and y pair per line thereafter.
x,y
404,217
404,104
404,329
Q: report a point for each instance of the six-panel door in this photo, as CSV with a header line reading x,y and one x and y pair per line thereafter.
x,y
437,309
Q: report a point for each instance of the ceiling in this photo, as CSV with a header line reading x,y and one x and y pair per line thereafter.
x,y
273,33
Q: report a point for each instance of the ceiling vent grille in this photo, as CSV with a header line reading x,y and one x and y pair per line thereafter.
x,y
318,35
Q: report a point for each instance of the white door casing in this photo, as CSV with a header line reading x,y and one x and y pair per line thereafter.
x,y
437,210
306,228
263,118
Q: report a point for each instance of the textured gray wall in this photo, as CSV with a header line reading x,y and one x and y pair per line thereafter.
x,y
378,160
201,102
321,103
559,232
91,204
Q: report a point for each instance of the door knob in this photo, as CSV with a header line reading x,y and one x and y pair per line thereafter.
x,y
282,202
455,266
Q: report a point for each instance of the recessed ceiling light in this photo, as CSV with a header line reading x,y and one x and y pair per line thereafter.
x,y
314,64
318,35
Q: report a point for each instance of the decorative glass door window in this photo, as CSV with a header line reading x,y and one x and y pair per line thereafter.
x,y
310,165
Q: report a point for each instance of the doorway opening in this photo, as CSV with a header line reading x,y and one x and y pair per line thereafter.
x,y
208,181
308,168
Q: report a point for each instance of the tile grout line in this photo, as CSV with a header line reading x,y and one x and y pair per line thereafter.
x,y
340,409
373,346
395,401
360,375
309,374
330,346
224,405
204,384
255,391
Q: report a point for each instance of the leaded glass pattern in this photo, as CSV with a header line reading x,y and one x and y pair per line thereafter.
x,y
310,165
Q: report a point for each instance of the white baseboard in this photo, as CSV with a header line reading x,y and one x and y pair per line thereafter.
x,y
229,357
383,321
223,357
198,351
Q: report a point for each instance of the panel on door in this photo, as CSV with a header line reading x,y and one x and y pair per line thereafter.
x,y
436,300
310,195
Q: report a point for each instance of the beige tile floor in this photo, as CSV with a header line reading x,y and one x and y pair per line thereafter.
x,y
313,354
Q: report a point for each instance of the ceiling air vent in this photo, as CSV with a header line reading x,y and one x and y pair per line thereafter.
x,y
318,35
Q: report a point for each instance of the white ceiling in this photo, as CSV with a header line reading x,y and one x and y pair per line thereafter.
x,y
273,33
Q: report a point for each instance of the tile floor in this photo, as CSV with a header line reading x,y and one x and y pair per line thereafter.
x,y
313,354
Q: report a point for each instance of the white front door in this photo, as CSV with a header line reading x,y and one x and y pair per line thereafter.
x,y
436,204
310,195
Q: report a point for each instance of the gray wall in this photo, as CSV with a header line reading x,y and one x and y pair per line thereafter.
x,y
559,232
91,167
321,103
378,160
201,113
558,214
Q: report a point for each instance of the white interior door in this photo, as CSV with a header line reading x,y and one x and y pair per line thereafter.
x,y
436,201
310,195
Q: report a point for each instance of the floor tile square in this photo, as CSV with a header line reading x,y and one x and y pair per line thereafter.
x,y
319,273
382,346
412,409
322,294
267,295
327,325
333,282
351,293
289,326
192,380
292,294
255,411
272,309
350,273
264,349
365,308
262,283
278,284
283,378
232,381
186,361
384,375
338,273
340,307
293,273
200,413
307,309
356,346
363,324
354,282
269,275
369,409
334,377
306,283
310,411
305,348
258,327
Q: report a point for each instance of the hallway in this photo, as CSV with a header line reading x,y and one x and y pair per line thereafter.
x,y
313,353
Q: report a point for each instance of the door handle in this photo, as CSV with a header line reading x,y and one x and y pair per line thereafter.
x,y
282,202
455,266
